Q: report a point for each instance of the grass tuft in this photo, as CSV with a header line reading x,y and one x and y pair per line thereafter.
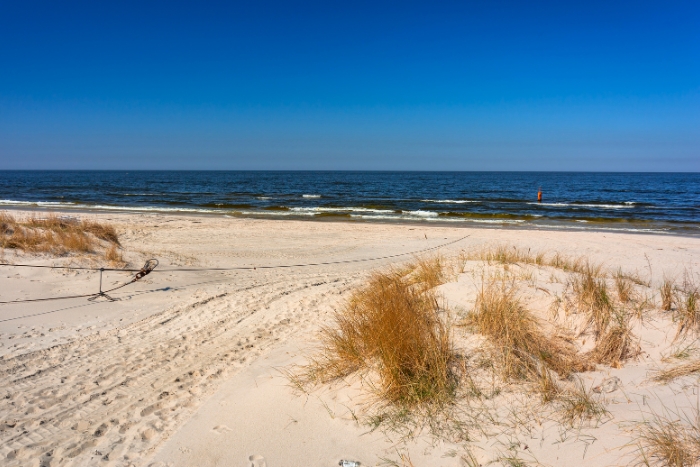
x,y
667,294
392,325
53,234
578,404
113,255
687,313
624,286
617,343
592,297
678,371
520,342
670,440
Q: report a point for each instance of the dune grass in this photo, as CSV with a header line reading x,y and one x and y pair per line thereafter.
x,y
678,371
522,347
510,254
392,325
670,440
687,312
617,343
578,404
624,286
591,296
667,294
609,320
55,235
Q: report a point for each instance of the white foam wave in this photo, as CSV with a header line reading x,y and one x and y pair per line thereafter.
x,y
311,196
10,202
421,213
627,205
147,208
448,201
435,219
275,213
349,209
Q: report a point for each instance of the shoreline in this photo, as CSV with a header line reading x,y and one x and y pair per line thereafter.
x,y
514,224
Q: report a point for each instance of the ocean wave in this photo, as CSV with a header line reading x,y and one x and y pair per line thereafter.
x,y
449,201
146,208
626,205
348,209
660,230
275,213
311,196
434,219
421,213
10,202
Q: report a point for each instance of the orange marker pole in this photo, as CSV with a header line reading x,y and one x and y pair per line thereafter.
x,y
539,195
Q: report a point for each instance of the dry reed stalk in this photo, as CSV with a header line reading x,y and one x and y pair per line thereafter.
x,y
547,386
670,440
579,404
667,291
678,371
592,297
508,254
687,313
392,325
624,286
564,263
520,343
113,255
427,273
617,343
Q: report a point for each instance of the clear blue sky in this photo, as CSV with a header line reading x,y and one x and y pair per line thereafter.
x,y
363,85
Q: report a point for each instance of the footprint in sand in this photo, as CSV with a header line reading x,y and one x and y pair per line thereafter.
x,y
257,461
221,429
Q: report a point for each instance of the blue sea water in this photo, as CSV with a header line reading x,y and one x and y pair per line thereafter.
x,y
666,202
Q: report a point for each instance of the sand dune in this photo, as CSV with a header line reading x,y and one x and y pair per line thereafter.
x,y
185,368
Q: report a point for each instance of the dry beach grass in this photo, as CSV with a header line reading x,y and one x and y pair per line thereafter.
x,y
57,236
392,325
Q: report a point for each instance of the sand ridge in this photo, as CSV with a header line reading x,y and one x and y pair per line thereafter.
x,y
117,384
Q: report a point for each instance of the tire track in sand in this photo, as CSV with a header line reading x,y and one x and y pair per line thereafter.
x,y
111,398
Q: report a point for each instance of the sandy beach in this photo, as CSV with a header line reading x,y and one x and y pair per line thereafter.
x,y
190,368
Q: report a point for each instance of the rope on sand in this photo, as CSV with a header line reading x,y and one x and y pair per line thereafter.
x,y
151,264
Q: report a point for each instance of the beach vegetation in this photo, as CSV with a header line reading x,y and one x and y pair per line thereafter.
x,y
624,286
687,312
678,371
392,325
55,235
616,343
578,404
523,349
592,297
667,294
669,439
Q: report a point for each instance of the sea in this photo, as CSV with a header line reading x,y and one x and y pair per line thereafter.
x,y
635,202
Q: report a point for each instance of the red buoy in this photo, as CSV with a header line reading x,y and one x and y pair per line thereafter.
x,y
539,195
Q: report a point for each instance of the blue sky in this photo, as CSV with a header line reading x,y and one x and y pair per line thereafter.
x,y
361,85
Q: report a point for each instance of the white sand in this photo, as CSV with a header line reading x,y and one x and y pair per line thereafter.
x,y
187,369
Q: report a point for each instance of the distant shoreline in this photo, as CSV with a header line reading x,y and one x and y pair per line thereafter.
x,y
525,225
614,202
